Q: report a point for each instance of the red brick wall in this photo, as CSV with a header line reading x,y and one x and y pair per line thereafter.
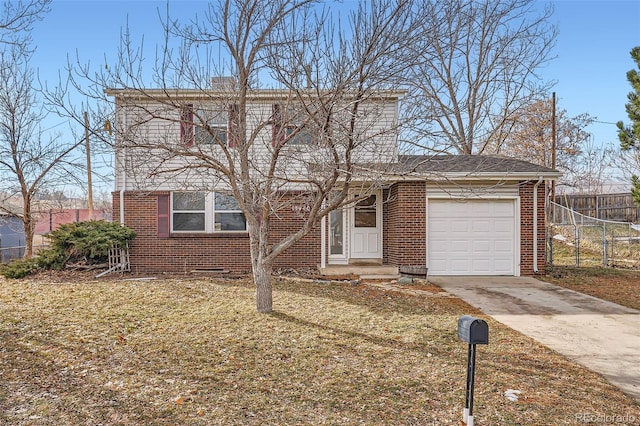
x,y
526,228
404,227
406,224
185,252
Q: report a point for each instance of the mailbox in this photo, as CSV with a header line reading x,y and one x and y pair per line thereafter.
x,y
473,330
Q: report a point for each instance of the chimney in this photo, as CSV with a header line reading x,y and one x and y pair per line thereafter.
x,y
223,84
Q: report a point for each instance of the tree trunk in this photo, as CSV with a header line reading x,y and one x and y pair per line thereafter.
x,y
261,266
27,220
262,280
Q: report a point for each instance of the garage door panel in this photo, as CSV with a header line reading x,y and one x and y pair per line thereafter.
x,y
475,237
460,265
503,245
481,266
481,225
478,209
481,246
460,246
503,225
503,267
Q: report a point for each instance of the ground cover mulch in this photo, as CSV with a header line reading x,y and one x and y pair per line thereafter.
x,y
194,351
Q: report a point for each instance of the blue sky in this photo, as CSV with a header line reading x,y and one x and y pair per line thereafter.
x,y
592,48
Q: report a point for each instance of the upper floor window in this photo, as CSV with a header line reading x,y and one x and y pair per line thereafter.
x,y
215,125
213,128
291,126
193,211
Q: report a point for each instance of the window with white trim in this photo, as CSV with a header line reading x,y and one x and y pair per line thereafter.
x,y
188,211
205,212
214,127
227,214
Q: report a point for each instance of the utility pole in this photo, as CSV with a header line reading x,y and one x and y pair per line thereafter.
x,y
88,150
553,143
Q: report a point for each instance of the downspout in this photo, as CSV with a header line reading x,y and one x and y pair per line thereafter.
x,y
535,225
323,242
323,239
122,188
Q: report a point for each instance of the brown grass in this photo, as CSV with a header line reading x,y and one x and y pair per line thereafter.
x,y
195,352
620,286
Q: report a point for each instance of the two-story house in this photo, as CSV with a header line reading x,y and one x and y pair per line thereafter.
x,y
445,214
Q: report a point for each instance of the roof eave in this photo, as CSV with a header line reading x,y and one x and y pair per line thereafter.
x,y
464,176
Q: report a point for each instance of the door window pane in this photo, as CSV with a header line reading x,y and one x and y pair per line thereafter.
x,y
365,213
336,232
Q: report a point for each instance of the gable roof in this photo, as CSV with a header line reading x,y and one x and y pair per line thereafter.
x,y
471,167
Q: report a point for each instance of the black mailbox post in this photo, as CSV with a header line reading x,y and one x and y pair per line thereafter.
x,y
473,331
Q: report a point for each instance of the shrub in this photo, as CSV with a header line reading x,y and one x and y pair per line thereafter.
x,y
19,268
88,242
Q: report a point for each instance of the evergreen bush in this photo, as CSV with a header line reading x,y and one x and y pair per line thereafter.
x,y
87,242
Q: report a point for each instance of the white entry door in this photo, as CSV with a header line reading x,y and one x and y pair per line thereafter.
x,y
366,228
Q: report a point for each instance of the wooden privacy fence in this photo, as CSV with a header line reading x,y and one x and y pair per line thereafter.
x,y
618,207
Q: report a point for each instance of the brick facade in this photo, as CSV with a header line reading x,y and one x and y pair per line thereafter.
x,y
405,224
404,235
526,228
181,253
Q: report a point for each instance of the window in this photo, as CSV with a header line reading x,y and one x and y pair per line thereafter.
x,y
365,213
336,232
189,211
202,126
227,214
213,129
205,212
291,126
297,135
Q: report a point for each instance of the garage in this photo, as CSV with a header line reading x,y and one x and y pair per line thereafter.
x,y
471,237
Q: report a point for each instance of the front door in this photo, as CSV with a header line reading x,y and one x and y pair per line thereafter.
x,y
366,228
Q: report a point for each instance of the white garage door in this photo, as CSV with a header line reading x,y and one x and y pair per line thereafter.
x,y
471,237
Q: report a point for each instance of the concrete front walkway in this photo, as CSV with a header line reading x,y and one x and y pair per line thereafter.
x,y
602,336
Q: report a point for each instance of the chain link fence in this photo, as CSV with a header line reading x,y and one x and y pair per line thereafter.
x,y
579,240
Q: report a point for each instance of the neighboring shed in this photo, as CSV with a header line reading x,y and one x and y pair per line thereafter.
x,y
12,238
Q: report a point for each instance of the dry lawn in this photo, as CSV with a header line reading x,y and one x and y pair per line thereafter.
x,y
620,286
195,352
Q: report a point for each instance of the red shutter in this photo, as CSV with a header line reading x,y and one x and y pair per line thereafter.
x,y
277,130
163,216
186,125
232,125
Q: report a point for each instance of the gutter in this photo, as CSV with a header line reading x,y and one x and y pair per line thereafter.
x,y
535,225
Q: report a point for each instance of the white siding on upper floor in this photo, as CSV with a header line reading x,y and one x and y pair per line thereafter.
x,y
149,125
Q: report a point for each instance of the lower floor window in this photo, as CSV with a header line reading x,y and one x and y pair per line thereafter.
x,y
193,211
227,214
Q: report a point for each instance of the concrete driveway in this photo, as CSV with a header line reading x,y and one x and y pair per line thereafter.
x,y
602,336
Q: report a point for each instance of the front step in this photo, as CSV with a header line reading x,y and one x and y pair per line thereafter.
x,y
365,272
388,277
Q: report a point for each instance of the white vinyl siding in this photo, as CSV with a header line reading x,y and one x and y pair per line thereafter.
x,y
150,169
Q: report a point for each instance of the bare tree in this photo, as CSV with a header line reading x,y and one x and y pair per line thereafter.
x,y
333,85
30,159
477,69
17,18
531,137
592,169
